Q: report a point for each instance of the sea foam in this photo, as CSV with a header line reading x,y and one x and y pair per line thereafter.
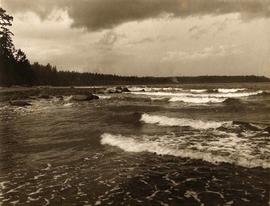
x,y
221,150
169,121
198,97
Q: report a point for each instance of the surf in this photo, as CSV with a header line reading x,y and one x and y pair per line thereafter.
x,y
181,122
224,150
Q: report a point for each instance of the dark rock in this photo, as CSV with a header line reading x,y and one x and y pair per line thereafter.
x,y
118,88
212,91
82,97
143,90
267,129
125,89
95,97
20,103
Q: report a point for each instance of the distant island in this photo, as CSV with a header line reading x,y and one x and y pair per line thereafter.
x,y
15,69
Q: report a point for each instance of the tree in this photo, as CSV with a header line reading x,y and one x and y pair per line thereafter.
x,y
6,44
14,65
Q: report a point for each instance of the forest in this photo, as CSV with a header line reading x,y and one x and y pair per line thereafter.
x,y
16,69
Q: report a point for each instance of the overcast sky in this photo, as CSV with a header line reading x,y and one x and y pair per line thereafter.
x,y
145,37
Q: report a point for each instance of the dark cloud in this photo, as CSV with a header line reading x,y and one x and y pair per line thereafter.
x,y
103,14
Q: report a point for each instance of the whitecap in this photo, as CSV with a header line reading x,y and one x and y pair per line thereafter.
x,y
105,97
197,100
169,121
221,90
198,90
226,148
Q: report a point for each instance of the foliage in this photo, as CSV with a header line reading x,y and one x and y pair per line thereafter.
x,y
14,65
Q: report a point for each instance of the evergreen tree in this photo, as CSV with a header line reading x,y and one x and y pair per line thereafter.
x,y
14,65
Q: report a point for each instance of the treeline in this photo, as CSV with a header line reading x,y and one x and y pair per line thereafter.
x,y
15,69
48,75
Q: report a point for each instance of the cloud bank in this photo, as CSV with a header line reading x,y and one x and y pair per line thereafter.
x,y
97,15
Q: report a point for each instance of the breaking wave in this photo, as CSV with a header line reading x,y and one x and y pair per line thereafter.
x,y
168,121
198,97
231,90
223,149
197,100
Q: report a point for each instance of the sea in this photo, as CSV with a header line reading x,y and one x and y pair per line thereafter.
x,y
181,145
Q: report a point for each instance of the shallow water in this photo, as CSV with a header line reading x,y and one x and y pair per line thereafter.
x,y
140,148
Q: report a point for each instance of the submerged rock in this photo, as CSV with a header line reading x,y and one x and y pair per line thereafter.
x,y
20,103
81,97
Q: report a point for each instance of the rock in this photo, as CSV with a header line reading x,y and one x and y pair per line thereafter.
x,y
143,90
20,103
118,88
125,89
82,97
44,96
212,91
267,129
95,97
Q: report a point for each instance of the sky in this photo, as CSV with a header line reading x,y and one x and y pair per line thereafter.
x,y
145,37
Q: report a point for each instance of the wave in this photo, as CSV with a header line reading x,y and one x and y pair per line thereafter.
x,y
222,150
169,121
231,90
198,90
104,97
197,98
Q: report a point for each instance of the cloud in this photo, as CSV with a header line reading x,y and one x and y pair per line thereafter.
x,y
105,14
109,38
207,52
143,41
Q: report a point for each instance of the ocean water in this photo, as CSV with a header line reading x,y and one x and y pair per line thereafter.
x,y
157,145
